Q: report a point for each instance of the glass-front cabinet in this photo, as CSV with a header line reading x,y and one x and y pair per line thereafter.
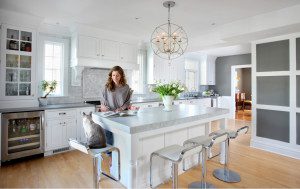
x,y
17,63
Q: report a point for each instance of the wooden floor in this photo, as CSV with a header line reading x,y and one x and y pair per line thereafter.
x,y
258,169
245,115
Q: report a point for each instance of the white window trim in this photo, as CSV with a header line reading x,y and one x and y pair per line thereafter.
x,y
65,82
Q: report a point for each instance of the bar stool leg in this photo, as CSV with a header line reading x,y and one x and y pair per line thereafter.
x,y
174,175
202,183
151,179
95,173
225,174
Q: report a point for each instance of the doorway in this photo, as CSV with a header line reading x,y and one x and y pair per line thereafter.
x,y
241,92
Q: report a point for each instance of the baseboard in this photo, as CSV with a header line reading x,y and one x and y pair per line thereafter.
x,y
57,151
275,148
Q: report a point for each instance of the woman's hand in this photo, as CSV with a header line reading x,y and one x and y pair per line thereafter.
x,y
119,110
104,108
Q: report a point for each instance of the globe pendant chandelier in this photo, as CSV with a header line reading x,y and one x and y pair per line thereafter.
x,y
169,41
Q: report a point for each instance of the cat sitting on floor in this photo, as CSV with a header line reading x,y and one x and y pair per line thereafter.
x,y
94,133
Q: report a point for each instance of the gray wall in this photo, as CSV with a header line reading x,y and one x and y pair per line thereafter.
x,y
273,124
273,56
223,72
246,82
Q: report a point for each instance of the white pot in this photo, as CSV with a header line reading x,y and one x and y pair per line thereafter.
x,y
43,101
168,102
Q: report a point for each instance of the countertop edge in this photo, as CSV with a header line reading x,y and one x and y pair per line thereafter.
x,y
48,107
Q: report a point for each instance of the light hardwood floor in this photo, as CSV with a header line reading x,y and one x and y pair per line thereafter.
x,y
258,169
245,115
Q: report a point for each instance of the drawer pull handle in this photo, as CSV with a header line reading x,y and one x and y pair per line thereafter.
x,y
63,113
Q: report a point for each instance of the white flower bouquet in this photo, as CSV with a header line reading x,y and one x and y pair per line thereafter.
x,y
168,89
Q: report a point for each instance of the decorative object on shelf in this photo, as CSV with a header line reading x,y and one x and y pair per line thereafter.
x,y
168,93
48,87
208,93
169,41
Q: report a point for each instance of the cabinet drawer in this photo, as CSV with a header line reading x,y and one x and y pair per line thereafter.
x,y
61,113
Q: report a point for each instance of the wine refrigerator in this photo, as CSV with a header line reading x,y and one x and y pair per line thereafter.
x,y
22,134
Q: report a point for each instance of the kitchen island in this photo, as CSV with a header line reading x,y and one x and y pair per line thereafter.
x,y
151,129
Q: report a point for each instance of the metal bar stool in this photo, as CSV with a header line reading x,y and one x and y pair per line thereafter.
x,y
175,154
96,154
207,142
225,174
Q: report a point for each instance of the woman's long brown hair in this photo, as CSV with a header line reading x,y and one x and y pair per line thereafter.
x,y
110,83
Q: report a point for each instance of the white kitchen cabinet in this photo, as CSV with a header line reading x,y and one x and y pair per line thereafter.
x,y
177,102
146,105
102,53
17,69
227,103
60,125
79,127
167,71
110,50
88,47
128,53
207,70
204,102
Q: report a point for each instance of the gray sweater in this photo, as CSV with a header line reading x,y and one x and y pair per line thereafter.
x,y
119,98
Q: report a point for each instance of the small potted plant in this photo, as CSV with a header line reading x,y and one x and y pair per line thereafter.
x,y
168,92
47,87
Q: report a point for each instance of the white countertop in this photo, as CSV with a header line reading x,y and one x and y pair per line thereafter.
x,y
156,118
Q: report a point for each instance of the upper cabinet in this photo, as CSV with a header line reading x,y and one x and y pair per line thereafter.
x,y
128,52
102,53
207,70
110,50
17,68
166,71
88,47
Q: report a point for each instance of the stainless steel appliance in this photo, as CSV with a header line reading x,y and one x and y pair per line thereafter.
x,y
96,103
22,134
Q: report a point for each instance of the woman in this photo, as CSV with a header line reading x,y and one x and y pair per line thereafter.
x,y
116,93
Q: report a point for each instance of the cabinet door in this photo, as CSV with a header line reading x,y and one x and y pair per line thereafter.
x,y
128,53
146,105
18,68
211,73
109,50
80,131
205,102
54,134
70,129
88,47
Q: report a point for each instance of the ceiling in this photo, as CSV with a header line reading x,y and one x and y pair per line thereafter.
x,y
140,17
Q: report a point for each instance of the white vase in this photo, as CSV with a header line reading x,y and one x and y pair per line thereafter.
x,y
168,102
42,101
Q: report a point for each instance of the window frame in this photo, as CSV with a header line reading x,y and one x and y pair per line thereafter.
x,y
64,71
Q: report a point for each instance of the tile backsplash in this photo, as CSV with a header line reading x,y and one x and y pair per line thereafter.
x,y
93,80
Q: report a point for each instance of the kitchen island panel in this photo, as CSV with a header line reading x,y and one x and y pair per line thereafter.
x,y
156,129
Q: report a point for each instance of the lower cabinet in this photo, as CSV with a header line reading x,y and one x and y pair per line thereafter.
x,y
147,105
205,102
62,124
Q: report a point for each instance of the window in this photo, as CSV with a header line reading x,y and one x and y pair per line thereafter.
x,y
138,78
55,59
